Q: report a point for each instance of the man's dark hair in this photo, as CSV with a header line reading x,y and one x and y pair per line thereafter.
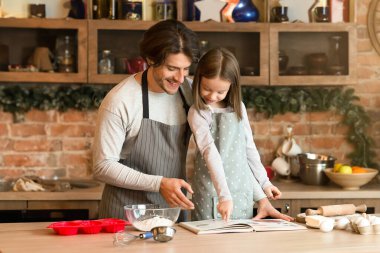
x,y
169,37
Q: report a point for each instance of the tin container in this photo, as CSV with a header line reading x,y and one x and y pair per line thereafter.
x,y
165,9
312,167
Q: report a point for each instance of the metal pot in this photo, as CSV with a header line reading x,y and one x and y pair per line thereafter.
x,y
312,167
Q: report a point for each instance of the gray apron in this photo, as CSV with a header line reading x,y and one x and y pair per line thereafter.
x,y
160,149
228,134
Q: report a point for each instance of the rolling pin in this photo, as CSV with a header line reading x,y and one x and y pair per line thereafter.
x,y
336,210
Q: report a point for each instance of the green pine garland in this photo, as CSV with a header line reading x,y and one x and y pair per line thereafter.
x,y
279,100
269,100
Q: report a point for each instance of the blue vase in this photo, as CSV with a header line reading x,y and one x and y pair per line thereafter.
x,y
245,11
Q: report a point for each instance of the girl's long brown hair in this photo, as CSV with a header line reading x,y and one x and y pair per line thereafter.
x,y
219,62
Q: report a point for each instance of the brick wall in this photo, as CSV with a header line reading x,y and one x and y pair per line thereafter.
x,y
47,143
60,143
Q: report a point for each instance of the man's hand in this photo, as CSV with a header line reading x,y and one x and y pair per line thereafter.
x,y
170,189
272,192
266,209
225,209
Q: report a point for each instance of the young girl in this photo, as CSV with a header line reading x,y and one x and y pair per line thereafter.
x,y
226,154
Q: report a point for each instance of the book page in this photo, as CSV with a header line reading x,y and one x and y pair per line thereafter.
x,y
240,226
217,226
275,225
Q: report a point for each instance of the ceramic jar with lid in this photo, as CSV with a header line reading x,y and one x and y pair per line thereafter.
x,y
165,9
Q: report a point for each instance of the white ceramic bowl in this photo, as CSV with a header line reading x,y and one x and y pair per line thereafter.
x,y
145,217
351,181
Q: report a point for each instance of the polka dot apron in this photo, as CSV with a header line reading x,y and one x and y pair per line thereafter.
x,y
229,138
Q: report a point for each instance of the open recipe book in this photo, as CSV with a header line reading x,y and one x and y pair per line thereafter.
x,y
239,226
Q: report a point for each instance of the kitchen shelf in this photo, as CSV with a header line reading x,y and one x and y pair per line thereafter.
x,y
21,36
122,37
256,46
299,40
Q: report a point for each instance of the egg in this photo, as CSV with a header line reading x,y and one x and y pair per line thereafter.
x,y
375,221
363,223
327,225
358,220
342,223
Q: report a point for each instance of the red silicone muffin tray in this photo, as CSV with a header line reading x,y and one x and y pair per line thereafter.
x,y
109,225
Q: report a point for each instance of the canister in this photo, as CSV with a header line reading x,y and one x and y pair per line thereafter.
x,y
165,9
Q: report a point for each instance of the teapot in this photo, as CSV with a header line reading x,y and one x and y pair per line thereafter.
x,y
136,64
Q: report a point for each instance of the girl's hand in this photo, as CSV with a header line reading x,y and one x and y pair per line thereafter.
x,y
225,209
272,192
266,209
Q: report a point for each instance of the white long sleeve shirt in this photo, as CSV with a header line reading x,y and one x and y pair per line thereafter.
x,y
118,124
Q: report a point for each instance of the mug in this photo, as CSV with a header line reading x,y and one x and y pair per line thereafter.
x,y
322,14
280,14
281,166
291,148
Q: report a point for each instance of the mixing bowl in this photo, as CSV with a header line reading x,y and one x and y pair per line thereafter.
x,y
312,166
145,217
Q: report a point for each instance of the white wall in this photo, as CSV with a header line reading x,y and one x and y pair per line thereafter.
x,y
20,8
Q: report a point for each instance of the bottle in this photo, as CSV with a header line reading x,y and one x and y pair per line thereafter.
x,y
95,9
106,65
101,9
65,56
336,61
112,9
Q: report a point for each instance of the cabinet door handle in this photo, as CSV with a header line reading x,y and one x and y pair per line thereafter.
x,y
287,208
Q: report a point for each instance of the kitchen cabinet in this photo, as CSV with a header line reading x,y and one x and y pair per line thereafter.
x,y
297,197
256,45
312,54
293,207
77,203
20,37
47,210
249,42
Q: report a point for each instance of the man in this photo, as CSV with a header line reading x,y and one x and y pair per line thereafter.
x,y
142,134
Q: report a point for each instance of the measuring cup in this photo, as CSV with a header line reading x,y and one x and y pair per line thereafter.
x,y
163,234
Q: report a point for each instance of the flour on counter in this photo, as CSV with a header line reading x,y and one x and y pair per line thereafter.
x,y
148,224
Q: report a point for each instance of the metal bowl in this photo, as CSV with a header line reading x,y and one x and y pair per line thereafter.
x,y
312,168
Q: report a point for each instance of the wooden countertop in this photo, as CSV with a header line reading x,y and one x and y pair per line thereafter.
x,y
298,190
94,193
35,237
292,190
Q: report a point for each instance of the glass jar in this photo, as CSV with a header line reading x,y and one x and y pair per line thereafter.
x,y
106,65
65,55
336,62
